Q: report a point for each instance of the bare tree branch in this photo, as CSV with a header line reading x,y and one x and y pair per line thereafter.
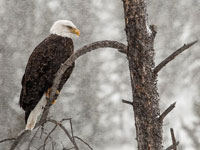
x,y
68,148
18,139
167,111
66,132
172,56
173,139
87,48
127,102
10,139
42,145
45,141
172,146
29,145
83,142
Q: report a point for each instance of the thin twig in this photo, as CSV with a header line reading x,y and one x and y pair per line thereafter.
x,y
172,56
53,144
49,136
127,102
18,139
10,139
68,148
42,131
83,142
66,132
173,139
167,111
70,121
29,145
42,146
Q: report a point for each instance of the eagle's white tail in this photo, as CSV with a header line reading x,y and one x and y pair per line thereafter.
x,y
32,119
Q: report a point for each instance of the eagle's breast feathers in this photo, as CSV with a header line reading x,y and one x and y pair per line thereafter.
x,y
42,66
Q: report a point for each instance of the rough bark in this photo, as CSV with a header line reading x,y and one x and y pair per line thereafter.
x,y
140,54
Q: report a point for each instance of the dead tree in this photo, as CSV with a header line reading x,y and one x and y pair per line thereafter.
x,y
143,73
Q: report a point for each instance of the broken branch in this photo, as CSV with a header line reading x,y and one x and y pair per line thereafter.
x,y
127,102
167,111
172,146
173,139
172,56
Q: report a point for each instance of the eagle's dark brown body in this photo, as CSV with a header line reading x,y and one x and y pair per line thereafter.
x,y
40,71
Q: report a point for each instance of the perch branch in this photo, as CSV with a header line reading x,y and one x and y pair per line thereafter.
x,y
172,56
87,48
167,111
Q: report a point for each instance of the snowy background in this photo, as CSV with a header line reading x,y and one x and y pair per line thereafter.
x,y
92,96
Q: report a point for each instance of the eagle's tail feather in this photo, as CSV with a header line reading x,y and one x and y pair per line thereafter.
x,y
27,113
32,118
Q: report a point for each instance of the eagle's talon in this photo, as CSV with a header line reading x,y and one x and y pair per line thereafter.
x,y
48,93
53,101
57,92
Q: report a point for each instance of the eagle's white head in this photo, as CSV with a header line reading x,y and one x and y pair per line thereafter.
x,y
64,28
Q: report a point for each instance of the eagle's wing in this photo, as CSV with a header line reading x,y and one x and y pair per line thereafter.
x,y
41,69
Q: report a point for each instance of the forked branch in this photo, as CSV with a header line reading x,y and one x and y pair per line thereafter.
x,y
172,146
172,56
66,132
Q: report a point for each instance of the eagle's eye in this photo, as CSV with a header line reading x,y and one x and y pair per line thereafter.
x,y
69,27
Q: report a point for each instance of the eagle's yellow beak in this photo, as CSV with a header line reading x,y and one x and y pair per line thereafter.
x,y
76,31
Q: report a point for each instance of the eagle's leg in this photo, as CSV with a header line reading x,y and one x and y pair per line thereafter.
x,y
48,95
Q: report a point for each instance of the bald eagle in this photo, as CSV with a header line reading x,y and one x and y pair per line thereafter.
x,y
42,66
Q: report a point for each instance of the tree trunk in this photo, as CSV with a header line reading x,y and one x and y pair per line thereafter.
x,y
140,38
